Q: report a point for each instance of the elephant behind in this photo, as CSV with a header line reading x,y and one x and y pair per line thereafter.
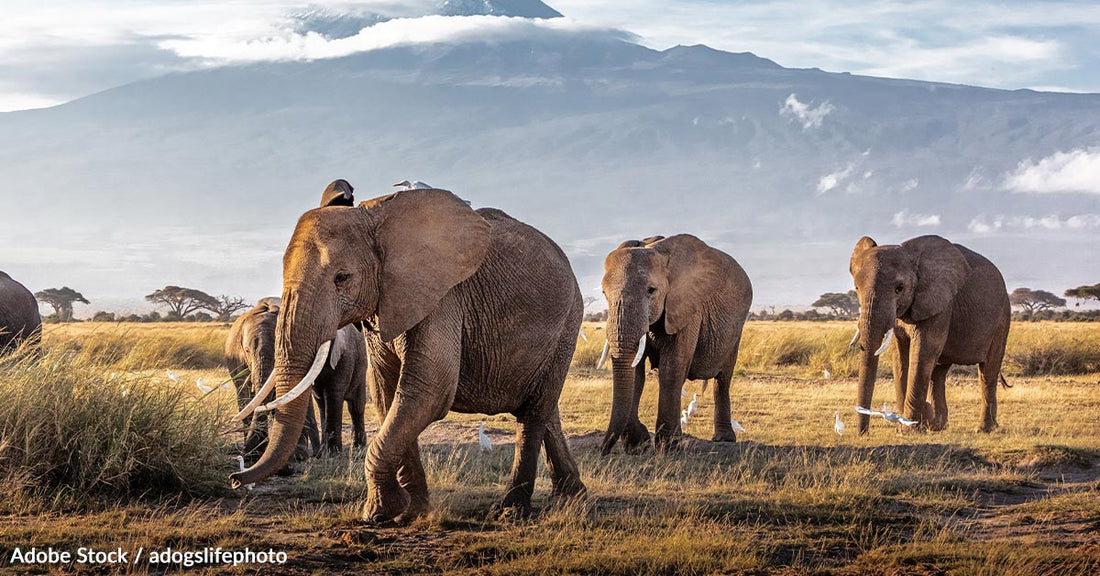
x,y
19,317
683,305
464,310
941,304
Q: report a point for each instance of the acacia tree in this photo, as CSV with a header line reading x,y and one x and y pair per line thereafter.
x,y
1033,301
1084,293
842,304
183,301
61,299
226,306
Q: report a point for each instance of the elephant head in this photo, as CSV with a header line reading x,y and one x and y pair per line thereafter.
x,y
913,281
388,261
662,281
251,346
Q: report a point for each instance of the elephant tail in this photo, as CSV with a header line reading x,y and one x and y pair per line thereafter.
x,y
1003,381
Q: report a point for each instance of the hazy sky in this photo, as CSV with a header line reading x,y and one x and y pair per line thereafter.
x,y
52,52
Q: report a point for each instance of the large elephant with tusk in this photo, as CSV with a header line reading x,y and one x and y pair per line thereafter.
x,y
464,310
19,317
683,305
940,304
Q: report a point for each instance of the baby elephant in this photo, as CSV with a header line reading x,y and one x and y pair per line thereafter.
x,y
250,356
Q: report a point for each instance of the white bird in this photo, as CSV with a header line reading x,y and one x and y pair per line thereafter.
x,y
827,373
683,417
683,393
693,406
414,185
898,418
583,335
483,438
205,389
838,425
737,427
867,411
173,376
242,467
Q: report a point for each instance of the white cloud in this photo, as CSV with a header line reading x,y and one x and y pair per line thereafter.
x,y
830,180
983,225
810,116
1073,171
910,185
904,219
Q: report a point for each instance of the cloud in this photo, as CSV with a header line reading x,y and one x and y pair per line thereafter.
x,y
830,180
1073,171
988,225
910,185
809,116
904,219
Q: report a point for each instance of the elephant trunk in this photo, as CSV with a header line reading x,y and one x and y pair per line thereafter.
x,y
625,334
297,359
875,326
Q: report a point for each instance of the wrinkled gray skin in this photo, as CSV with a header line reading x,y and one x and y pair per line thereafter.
x,y
947,305
250,358
19,317
470,311
691,301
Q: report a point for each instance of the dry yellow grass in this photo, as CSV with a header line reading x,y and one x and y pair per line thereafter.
x,y
791,497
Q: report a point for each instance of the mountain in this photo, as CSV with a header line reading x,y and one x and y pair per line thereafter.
x,y
197,178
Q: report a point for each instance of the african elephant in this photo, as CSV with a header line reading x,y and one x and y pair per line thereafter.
x,y
19,317
464,310
942,304
682,304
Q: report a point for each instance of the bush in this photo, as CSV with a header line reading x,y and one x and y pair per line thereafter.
x,y
69,434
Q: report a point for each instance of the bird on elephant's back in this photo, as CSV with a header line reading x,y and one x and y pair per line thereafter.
x,y
940,304
682,304
464,310
19,317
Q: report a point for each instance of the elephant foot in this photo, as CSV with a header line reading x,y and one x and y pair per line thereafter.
x,y
419,506
987,427
569,487
510,509
385,502
668,443
724,435
636,439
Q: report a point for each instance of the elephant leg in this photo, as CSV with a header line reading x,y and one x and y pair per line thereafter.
x,y
309,443
529,439
636,437
989,372
564,473
412,478
334,422
923,354
900,357
674,368
939,396
723,428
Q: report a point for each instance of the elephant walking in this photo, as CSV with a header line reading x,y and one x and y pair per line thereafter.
x,y
464,310
942,304
683,305
19,317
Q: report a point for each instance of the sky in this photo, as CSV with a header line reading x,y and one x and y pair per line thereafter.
x,y
53,52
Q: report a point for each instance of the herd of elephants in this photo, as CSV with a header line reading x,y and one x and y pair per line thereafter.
x,y
425,305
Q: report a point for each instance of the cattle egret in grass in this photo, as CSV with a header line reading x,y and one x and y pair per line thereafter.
x,y
483,438
242,467
693,406
827,373
737,427
205,389
173,376
583,335
414,185
838,425
683,417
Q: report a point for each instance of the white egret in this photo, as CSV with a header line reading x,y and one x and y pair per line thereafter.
x,y
483,438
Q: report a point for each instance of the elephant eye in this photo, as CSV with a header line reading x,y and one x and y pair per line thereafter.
x,y
342,277
899,289
651,289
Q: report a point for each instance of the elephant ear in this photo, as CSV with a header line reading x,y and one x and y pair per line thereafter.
x,y
941,272
339,346
652,240
695,272
338,193
864,244
428,241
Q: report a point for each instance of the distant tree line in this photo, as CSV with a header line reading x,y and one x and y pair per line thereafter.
x,y
183,304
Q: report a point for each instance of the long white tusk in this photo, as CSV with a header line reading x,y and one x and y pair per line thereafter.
x,y
583,335
885,342
603,355
641,351
266,389
854,339
307,381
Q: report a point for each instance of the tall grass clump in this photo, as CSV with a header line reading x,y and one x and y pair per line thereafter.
x,y
70,434
1049,348
140,346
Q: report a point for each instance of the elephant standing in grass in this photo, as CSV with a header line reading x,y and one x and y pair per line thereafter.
x,y
682,304
19,317
464,310
942,304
